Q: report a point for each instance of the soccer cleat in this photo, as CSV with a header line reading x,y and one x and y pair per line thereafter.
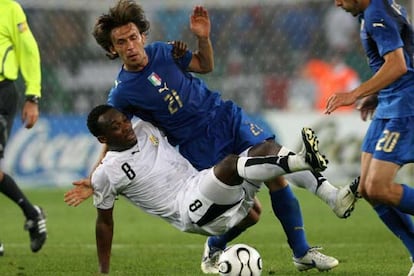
x,y
345,202
313,157
209,261
354,187
314,259
1,249
37,230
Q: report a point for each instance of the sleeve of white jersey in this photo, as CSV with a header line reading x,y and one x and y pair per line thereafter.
x,y
104,194
149,128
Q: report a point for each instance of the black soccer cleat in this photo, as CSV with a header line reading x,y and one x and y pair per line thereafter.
x,y
37,230
313,157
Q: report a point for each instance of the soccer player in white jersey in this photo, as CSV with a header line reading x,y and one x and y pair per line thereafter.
x,y
142,166
157,86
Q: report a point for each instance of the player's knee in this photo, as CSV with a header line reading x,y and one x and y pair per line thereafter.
x,y
229,165
268,147
230,162
226,170
375,193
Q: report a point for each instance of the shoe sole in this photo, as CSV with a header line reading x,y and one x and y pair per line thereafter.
x,y
348,212
304,267
311,144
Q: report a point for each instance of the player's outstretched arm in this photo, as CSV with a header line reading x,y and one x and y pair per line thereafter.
x,y
104,233
203,60
393,68
81,192
200,22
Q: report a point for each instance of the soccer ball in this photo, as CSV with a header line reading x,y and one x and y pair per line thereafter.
x,y
240,260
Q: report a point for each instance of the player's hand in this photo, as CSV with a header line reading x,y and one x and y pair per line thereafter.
x,y
367,106
338,100
179,48
30,114
81,192
200,22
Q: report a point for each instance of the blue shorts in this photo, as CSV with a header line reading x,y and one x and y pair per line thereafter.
x,y
391,140
231,131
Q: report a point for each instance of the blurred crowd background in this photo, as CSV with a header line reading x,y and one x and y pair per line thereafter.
x,y
283,55
279,59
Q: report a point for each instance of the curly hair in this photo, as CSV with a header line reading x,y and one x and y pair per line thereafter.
x,y
125,11
93,119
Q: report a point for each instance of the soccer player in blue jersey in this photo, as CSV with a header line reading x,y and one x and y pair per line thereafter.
x,y
157,86
388,39
142,166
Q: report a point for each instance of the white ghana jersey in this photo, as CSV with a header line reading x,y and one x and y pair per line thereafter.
x,y
152,175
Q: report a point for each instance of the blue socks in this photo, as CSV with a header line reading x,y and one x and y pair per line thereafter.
x,y
407,200
287,210
222,240
399,223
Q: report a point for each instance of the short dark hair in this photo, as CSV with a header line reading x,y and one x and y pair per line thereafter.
x,y
125,11
92,122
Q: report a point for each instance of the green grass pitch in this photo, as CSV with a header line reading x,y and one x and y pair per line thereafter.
x,y
144,245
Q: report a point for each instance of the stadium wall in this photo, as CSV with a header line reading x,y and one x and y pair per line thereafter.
x,y
57,151
340,136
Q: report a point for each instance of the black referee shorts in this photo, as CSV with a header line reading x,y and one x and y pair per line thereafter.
x,y
8,106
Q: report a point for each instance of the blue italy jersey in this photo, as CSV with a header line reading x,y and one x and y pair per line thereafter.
x,y
164,94
205,127
384,28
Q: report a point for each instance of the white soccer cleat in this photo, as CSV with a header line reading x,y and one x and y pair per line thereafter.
x,y
1,249
345,202
209,261
311,153
314,259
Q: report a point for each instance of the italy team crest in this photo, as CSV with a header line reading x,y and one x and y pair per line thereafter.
x,y
155,79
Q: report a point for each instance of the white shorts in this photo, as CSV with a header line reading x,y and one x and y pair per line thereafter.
x,y
211,207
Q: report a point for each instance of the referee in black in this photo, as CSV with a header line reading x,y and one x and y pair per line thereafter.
x,y
19,52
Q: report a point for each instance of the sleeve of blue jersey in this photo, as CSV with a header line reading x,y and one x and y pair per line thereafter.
x,y
384,30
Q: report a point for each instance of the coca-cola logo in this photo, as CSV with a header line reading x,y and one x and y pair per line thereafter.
x,y
57,151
